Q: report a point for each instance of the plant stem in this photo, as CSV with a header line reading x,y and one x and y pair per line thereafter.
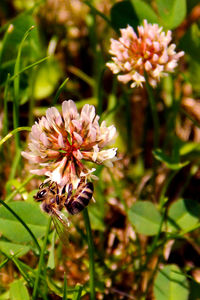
x,y
11,133
35,289
155,125
91,253
154,115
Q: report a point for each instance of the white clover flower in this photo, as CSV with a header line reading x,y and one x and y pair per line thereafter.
x,y
148,52
62,143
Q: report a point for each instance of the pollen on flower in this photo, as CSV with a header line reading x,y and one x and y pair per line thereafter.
x,y
60,144
149,52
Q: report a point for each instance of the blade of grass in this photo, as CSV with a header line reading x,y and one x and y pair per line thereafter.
x,y
77,293
12,195
15,163
65,288
97,12
23,223
22,271
91,253
3,263
60,89
82,75
8,31
29,67
16,87
154,113
7,258
5,111
41,261
12,133
156,125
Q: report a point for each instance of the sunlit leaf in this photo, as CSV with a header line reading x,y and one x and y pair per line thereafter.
x,y
161,156
184,213
46,79
18,291
189,147
171,284
13,249
144,11
172,12
144,216
31,214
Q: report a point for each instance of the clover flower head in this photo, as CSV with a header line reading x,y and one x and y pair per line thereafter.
x,y
150,51
60,144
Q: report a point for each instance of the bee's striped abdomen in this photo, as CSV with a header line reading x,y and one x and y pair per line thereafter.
x,y
81,199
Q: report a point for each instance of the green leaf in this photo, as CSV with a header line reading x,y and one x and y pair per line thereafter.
x,y
13,249
171,284
161,156
31,214
51,259
145,217
78,292
194,75
172,12
123,14
144,11
46,79
18,291
5,296
184,213
31,49
190,42
188,147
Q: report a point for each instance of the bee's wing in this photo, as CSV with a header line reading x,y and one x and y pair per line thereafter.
x,y
61,224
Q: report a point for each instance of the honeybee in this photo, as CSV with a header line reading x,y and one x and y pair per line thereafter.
x,y
53,202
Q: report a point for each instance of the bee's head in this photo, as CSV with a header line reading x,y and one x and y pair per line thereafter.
x,y
41,195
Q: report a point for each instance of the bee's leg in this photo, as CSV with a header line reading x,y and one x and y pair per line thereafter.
x,y
69,193
41,185
81,182
63,189
54,186
57,199
70,189
46,182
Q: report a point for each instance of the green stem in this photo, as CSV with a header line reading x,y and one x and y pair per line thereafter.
x,y
12,195
35,289
65,288
14,131
5,117
15,164
91,253
155,125
16,83
22,222
60,89
163,210
154,115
